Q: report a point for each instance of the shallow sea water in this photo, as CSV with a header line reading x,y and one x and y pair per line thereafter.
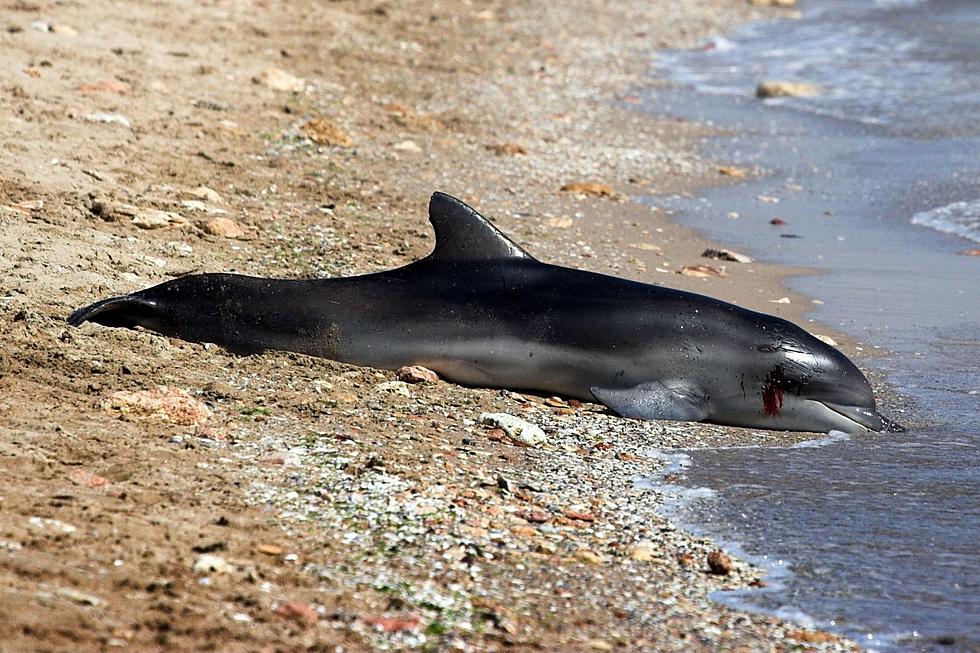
x,y
878,181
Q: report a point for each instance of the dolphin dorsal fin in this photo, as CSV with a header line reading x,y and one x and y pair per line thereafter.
x,y
462,234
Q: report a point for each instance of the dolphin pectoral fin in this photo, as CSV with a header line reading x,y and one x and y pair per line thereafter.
x,y
652,400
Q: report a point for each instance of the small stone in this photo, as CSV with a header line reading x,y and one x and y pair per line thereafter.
x,y
701,271
560,223
110,118
417,374
88,479
407,146
510,149
30,205
578,515
211,564
518,430
169,404
206,194
393,387
781,300
647,247
301,613
731,171
811,636
80,598
719,563
825,339
599,645
157,219
402,624
970,252
325,132
593,188
48,526
776,88
777,222
726,255
767,199
269,549
643,552
280,80
224,227
546,547
105,87
64,30
534,516
588,556
774,3
685,559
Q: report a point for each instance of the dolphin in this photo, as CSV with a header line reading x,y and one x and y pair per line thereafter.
x,y
481,311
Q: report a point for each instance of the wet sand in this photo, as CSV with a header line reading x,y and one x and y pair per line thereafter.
x,y
340,509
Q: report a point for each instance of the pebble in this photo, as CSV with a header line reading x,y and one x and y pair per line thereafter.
x,y
701,271
392,624
209,563
157,219
726,255
719,563
811,636
407,146
394,387
295,611
87,478
593,188
781,300
206,194
269,549
643,552
169,404
110,118
325,132
517,429
107,86
417,374
588,556
510,149
776,88
280,80
45,525
80,598
731,171
224,227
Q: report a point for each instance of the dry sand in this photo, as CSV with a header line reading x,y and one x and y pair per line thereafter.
x,y
339,509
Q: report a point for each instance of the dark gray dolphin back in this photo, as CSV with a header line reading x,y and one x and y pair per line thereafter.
x,y
463,235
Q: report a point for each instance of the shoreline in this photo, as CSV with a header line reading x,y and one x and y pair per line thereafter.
x,y
378,514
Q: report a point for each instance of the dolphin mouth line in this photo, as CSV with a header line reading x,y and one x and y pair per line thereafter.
x,y
868,420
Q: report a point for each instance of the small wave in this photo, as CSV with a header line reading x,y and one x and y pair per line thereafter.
x,y
959,218
830,438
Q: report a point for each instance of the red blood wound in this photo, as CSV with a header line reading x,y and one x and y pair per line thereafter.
x,y
772,392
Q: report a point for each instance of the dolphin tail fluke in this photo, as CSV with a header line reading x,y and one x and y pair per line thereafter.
x,y
126,311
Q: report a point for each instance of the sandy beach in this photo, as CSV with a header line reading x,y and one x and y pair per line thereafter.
x,y
161,495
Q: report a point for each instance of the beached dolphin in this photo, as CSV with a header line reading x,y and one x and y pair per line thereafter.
x,y
481,311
